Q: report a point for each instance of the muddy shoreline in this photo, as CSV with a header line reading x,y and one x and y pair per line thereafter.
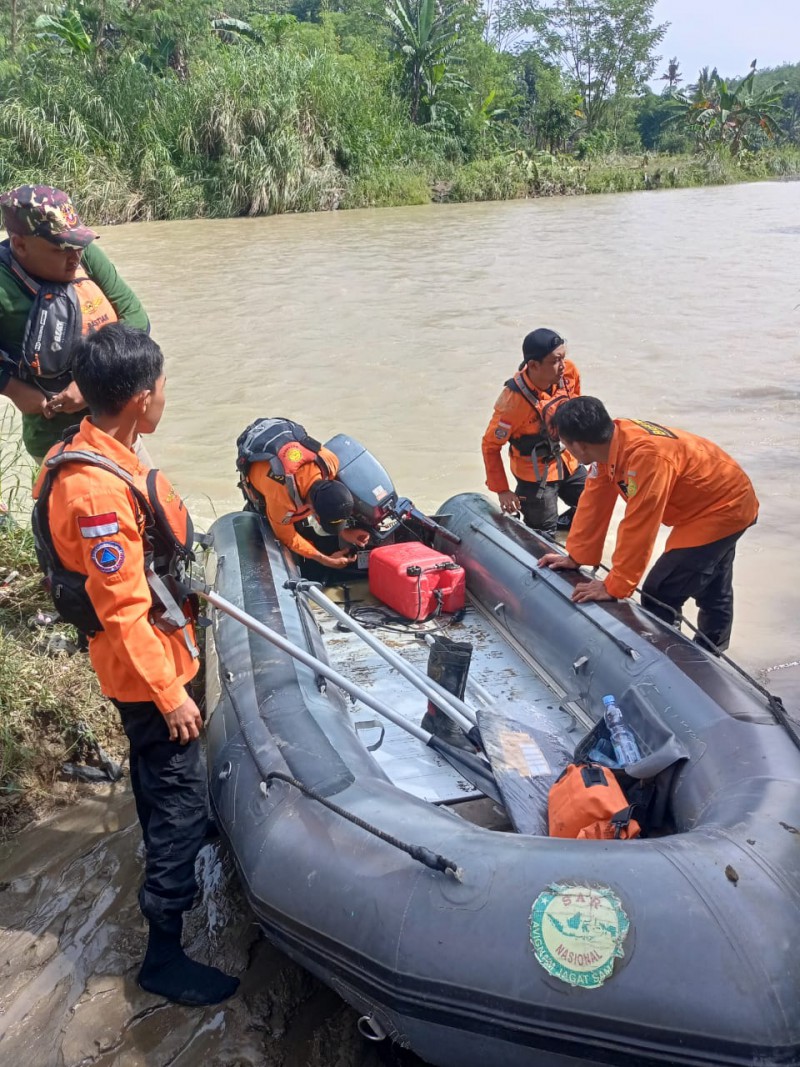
x,y
72,936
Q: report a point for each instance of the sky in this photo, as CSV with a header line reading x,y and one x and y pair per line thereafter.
x,y
728,35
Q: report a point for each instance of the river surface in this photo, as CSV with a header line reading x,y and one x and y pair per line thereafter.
x,y
399,328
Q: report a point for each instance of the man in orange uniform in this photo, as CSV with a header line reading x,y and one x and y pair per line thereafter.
x,y
291,478
109,530
522,417
664,476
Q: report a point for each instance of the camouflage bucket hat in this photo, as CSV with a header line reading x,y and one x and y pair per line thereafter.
x,y
42,211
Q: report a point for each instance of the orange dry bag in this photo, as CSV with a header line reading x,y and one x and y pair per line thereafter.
x,y
586,801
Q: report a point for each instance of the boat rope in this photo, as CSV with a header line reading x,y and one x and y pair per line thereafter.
x,y
420,853
520,554
774,703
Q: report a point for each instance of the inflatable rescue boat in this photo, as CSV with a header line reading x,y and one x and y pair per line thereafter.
x,y
422,886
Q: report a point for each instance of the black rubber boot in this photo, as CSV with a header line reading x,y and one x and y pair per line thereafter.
x,y
448,664
168,971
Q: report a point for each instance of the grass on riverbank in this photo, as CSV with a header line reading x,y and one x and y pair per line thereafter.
x,y
44,696
286,130
518,176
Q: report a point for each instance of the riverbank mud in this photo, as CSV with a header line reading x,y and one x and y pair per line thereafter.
x,y
72,937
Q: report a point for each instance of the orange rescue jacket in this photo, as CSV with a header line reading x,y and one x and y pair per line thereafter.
x,y
283,508
518,422
97,530
664,476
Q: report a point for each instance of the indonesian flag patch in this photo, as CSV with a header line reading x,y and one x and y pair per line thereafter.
x,y
99,525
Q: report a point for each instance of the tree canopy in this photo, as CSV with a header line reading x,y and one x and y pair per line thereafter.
x,y
159,108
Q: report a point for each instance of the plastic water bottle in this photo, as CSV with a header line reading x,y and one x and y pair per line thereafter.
x,y
625,747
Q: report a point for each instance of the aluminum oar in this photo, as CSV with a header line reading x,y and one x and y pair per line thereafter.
x,y
472,767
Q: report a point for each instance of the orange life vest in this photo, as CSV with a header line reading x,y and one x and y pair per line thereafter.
x,y
167,532
543,446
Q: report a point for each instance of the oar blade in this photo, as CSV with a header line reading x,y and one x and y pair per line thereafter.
x,y
469,766
525,761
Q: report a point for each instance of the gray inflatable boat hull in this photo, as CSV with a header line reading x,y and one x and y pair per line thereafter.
x,y
679,949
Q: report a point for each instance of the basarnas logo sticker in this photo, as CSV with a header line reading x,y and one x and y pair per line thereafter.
x,y
108,556
577,932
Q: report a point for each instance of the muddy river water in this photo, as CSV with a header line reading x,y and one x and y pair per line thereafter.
x,y
399,328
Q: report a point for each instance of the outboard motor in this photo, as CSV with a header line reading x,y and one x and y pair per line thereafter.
x,y
374,495
375,502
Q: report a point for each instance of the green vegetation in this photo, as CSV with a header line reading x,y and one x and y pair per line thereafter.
x,y
730,117
50,703
145,109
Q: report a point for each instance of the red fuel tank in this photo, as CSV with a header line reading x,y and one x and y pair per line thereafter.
x,y
413,579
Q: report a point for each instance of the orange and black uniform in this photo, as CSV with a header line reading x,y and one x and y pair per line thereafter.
x,y
676,478
284,513
97,530
522,418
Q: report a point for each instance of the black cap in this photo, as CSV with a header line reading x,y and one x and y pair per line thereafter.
x,y
332,503
540,343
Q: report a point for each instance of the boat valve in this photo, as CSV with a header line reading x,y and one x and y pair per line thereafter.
x,y
370,1028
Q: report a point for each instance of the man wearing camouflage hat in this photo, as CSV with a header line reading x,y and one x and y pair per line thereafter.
x,y
55,286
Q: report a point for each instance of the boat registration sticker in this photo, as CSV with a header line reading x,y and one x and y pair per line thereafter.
x,y
577,931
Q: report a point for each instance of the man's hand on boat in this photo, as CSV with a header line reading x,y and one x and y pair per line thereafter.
x,y
509,502
343,557
184,722
586,591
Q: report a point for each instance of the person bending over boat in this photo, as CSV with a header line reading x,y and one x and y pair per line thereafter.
x,y
55,286
290,478
664,476
523,419
113,537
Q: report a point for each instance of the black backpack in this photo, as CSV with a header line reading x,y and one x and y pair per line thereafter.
x,y
262,441
52,330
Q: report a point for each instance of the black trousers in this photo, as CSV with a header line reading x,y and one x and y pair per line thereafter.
x,y
703,574
540,503
171,793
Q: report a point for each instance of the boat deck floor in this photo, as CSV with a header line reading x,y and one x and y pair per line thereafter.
x,y
501,670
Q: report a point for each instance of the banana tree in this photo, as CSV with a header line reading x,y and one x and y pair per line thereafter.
x,y
67,31
425,36
723,114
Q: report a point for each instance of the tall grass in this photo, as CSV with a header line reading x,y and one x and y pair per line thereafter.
x,y
43,697
262,130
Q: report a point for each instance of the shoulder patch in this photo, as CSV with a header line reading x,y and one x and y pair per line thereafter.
x,y
98,525
502,431
108,556
654,429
